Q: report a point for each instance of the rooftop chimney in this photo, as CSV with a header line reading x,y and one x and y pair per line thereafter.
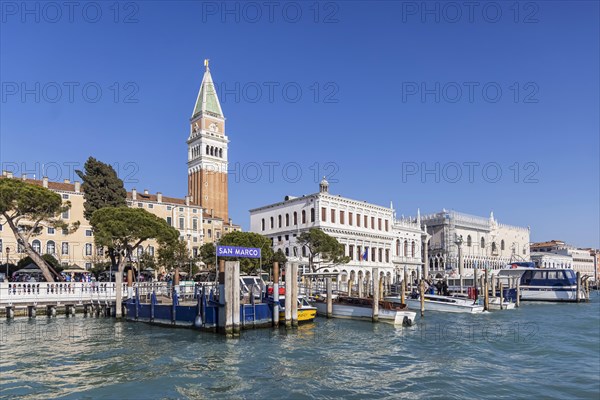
x,y
212,213
133,194
24,177
77,187
67,181
187,200
145,191
45,182
9,174
4,172
159,197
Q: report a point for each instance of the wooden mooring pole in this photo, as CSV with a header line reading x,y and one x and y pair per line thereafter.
x,y
276,294
294,294
329,299
376,279
577,295
486,301
288,295
422,296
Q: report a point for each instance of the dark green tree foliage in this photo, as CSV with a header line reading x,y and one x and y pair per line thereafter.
x,y
49,258
323,250
174,254
249,239
207,254
27,209
101,187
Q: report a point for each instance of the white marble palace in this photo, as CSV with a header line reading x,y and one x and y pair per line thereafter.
x,y
370,234
460,242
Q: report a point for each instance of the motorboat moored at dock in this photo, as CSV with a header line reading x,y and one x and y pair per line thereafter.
x,y
362,309
435,302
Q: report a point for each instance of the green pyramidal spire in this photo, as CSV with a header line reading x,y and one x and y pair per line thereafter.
x,y
207,101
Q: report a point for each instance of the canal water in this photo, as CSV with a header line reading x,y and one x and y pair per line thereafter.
x,y
537,351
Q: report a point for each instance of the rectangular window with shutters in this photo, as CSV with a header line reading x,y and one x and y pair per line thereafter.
x,y
170,221
323,214
379,224
181,223
351,251
372,222
341,217
387,255
333,215
350,216
366,221
380,255
358,220
65,248
387,227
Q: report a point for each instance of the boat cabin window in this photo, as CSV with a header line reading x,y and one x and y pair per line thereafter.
x,y
539,274
554,275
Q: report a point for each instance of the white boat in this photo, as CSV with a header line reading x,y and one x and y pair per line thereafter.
x,y
362,309
435,302
544,284
494,304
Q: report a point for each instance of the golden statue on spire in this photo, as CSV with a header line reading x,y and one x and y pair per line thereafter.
x,y
206,63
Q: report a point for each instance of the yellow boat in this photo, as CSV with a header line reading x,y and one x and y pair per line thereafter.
x,y
306,312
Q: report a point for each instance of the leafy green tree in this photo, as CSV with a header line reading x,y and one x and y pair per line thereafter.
x,y
147,261
122,230
29,208
175,254
323,250
49,258
101,187
279,257
207,254
249,239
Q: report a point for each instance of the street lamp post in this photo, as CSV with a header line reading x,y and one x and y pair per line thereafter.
x,y
7,253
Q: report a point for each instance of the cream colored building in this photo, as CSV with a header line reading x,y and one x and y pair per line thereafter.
x,y
78,248
580,260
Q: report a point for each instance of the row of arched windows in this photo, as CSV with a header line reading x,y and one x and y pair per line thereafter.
x,y
406,248
289,219
482,244
214,151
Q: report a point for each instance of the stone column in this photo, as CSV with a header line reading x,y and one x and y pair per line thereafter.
x,y
461,262
424,238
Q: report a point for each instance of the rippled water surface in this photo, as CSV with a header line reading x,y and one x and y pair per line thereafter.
x,y
537,351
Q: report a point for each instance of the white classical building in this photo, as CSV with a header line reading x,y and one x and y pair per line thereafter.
x,y
558,254
370,234
462,242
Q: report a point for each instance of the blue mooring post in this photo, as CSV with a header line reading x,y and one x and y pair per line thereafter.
x,y
137,302
174,307
152,304
198,320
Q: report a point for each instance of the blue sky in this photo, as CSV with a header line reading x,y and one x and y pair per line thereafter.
x,y
369,93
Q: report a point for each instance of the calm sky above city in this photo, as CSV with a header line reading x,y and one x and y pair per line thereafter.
x,y
476,107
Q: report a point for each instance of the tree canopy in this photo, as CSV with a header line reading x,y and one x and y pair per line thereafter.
x,y
28,208
249,239
101,187
122,230
174,254
323,250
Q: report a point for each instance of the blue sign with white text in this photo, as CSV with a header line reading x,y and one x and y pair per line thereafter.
x,y
233,251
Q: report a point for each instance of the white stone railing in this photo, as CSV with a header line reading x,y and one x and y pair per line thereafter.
x,y
22,293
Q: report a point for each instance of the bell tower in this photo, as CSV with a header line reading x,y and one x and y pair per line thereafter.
x,y
207,152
